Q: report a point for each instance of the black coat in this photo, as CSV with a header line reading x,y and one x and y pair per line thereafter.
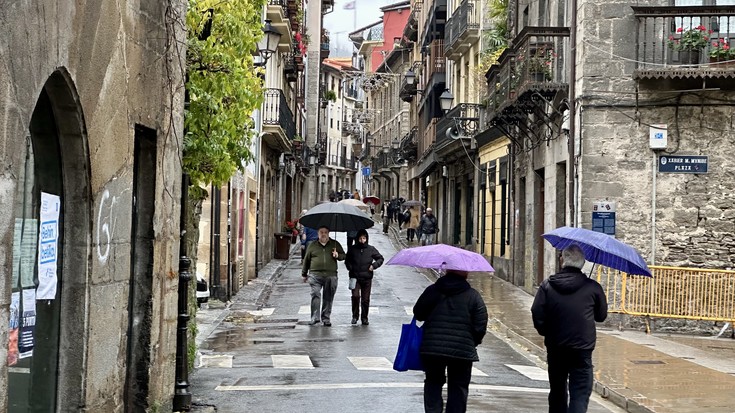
x,y
359,259
455,318
565,309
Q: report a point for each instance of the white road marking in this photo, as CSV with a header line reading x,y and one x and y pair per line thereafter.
x,y
220,360
305,309
263,312
371,363
333,386
478,372
290,361
532,372
409,309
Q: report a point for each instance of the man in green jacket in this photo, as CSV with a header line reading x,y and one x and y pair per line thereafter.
x,y
320,270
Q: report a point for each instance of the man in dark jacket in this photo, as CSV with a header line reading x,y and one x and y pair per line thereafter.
x,y
428,227
362,260
455,322
320,270
564,311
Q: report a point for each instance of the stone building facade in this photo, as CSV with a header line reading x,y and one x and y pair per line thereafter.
x,y
92,102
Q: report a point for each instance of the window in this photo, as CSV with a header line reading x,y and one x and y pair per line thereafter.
x,y
331,123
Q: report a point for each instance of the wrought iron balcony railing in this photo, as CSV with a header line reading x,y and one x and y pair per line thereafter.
x,y
277,112
321,148
463,28
463,117
684,42
427,140
536,64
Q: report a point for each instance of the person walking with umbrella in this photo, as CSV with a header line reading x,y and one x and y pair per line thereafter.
x,y
455,322
320,270
564,311
413,223
362,261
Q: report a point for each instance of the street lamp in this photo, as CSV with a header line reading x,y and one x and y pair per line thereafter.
x,y
445,100
410,77
269,42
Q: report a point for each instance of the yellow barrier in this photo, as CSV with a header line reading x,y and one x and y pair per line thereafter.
x,y
673,292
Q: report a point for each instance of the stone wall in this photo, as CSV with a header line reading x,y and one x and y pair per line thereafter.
x,y
119,63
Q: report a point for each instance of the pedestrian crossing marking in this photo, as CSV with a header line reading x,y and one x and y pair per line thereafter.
x,y
262,312
290,361
219,360
371,363
306,309
402,385
532,372
479,373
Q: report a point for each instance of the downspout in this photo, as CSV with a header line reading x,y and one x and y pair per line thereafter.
x,y
572,119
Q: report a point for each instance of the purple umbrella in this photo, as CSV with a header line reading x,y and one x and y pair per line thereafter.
x,y
600,248
441,256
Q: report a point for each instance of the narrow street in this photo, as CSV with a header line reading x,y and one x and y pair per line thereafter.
x,y
268,359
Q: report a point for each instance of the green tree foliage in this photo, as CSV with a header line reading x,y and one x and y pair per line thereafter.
x,y
223,87
497,36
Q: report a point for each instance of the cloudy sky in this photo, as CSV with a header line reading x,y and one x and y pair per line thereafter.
x,y
340,22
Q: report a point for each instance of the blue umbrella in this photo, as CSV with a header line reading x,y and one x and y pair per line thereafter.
x,y
600,248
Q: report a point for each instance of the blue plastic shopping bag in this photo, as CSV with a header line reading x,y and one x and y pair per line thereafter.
x,y
407,357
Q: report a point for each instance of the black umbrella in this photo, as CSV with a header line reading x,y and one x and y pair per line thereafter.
x,y
336,216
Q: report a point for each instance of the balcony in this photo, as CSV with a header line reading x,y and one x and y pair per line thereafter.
x,y
409,145
435,65
526,78
321,148
463,118
281,13
411,30
659,31
435,23
324,45
407,90
463,29
342,161
426,141
278,120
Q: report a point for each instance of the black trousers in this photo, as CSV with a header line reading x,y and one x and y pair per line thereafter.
x,y
361,299
458,375
574,366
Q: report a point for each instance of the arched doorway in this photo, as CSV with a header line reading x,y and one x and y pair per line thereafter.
x,y
50,363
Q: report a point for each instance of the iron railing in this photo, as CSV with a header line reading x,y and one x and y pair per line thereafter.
x,y
277,112
536,62
427,140
435,62
464,117
660,32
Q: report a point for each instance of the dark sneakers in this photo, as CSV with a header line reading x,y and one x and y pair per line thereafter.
x,y
365,322
354,321
327,324
313,322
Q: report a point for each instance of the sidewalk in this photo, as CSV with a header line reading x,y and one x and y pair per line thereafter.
x,y
638,372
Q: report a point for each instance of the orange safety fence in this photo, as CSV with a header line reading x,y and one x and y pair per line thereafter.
x,y
672,292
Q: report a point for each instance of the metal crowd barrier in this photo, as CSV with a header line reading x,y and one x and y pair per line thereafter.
x,y
673,292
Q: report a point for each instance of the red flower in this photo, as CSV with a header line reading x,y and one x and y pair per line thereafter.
x,y
680,29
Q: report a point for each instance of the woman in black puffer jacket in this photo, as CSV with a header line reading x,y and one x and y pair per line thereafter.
x,y
455,322
361,261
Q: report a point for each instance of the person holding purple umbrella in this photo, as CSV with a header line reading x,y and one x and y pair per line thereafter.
x,y
565,310
455,322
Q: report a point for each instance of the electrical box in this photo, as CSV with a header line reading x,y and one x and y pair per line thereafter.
x,y
658,136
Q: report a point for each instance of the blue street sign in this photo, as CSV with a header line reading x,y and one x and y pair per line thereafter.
x,y
684,164
366,171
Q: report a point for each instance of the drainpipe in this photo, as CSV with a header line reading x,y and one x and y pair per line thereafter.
x,y
572,118
182,395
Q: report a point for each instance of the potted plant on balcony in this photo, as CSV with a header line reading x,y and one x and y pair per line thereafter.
x,y
689,43
720,51
330,95
539,64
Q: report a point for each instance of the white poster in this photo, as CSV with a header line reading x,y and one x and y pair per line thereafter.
x,y
48,239
24,252
27,323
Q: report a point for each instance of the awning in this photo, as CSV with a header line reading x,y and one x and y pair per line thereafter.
x,y
426,166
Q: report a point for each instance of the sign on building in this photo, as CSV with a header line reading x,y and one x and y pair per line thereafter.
x,y
685,164
603,217
366,171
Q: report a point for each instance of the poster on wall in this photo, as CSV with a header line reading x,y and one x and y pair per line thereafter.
x,y
27,324
24,252
48,239
603,217
14,328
